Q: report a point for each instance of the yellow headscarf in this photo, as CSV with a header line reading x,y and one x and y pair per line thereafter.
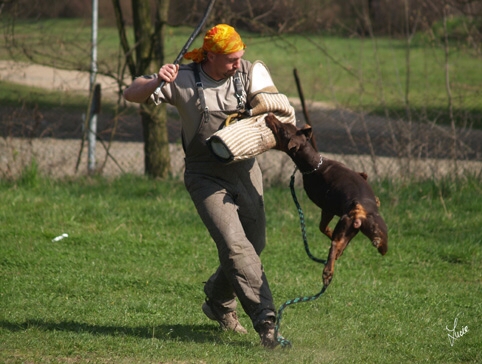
x,y
221,39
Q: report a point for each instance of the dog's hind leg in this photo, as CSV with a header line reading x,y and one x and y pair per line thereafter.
x,y
325,220
342,235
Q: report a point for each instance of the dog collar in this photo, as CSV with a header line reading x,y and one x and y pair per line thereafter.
x,y
314,170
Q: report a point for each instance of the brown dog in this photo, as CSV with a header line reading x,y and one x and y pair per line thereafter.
x,y
334,188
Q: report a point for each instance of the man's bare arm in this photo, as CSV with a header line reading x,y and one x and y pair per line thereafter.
x,y
142,88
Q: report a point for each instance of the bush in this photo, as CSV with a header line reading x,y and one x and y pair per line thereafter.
x,y
30,175
458,28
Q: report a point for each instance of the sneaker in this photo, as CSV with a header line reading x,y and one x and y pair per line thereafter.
x,y
227,321
266,331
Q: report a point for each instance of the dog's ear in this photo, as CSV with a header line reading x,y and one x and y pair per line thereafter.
x,y
364,175
294,143
307,131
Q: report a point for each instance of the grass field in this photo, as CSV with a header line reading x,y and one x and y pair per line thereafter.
x,y
126,285
378,75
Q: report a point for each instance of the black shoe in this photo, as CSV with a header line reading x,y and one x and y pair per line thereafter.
x,y
266,331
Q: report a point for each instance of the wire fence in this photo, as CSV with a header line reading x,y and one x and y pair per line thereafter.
x,y
373,144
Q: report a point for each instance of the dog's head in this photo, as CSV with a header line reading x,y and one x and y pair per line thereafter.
x,y
288,137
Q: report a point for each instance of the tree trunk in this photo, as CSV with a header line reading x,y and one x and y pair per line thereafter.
x,y
157,159
154,118
149,53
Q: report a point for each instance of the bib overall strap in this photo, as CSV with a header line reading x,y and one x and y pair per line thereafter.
x,y
200,91
240,93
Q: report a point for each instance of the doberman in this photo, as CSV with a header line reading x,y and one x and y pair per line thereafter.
x,y
336,189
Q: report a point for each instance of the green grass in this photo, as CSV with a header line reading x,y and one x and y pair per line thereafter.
x,y
126,285
16,95
358,73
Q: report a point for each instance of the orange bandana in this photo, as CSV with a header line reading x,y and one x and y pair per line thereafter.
x,y
221,39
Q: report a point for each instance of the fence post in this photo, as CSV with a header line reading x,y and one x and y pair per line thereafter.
x,y
96,97
92,134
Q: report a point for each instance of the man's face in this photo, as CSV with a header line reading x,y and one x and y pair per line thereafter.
x,y
225,65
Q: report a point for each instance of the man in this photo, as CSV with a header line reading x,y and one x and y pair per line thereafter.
x,y
228,197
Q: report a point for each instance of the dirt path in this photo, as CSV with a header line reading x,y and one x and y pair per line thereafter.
x,y
54,79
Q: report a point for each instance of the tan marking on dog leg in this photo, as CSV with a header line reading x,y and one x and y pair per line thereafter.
x,y
358,214
325,220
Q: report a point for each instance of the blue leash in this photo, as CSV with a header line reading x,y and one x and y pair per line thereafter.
x,y
302,221
281,340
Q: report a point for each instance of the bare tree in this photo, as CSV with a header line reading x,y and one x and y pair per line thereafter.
x,y
144,57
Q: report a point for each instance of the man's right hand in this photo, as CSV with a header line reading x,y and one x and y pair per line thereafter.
x,y
168,72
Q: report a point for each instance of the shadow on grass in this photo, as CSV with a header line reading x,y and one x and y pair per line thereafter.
x,y
176,332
